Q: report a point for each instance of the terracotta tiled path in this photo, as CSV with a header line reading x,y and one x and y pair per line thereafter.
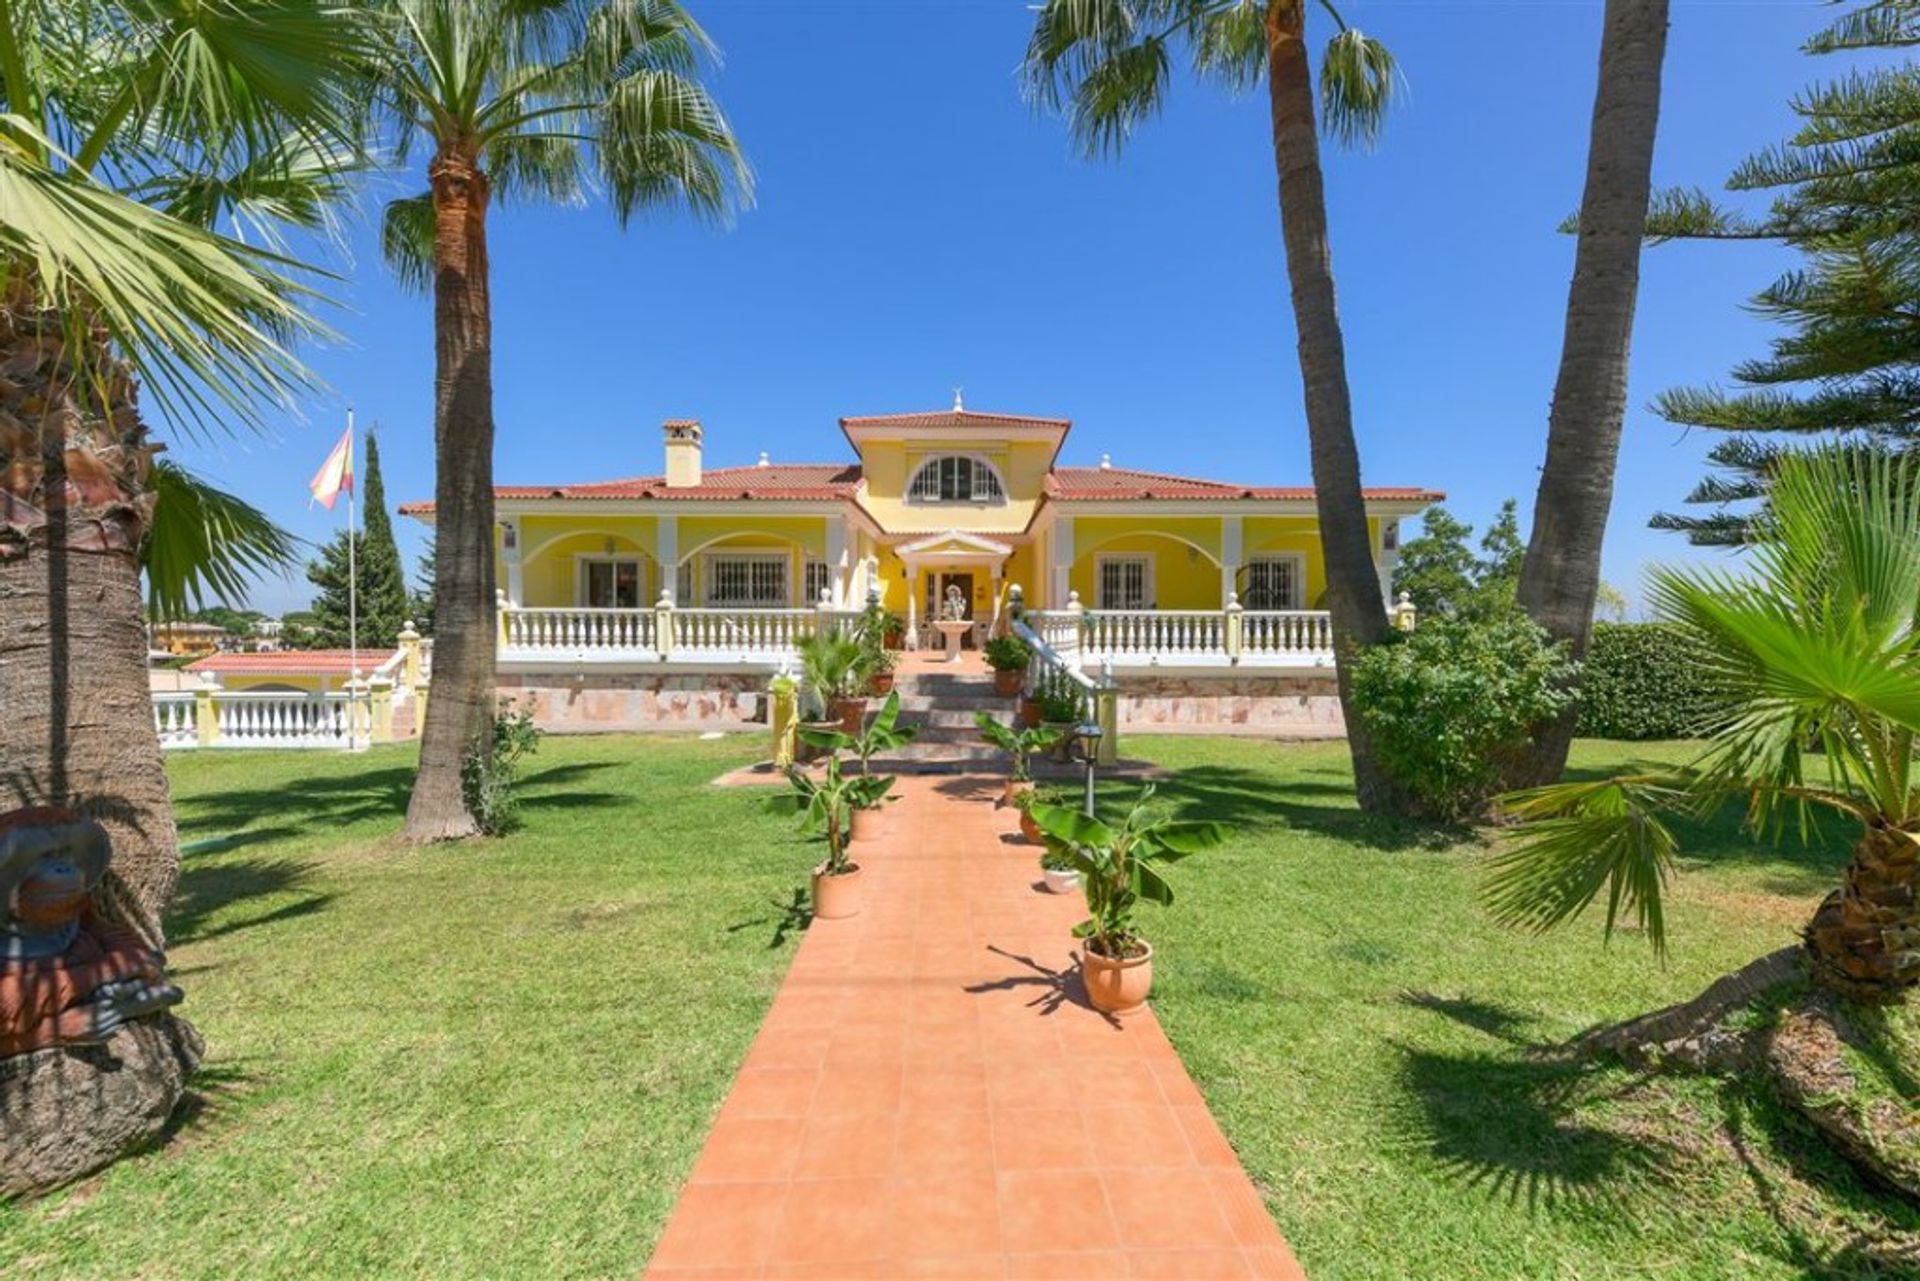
x,y
930,1096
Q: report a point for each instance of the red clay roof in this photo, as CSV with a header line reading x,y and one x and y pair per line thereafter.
x,y
293,662
797,482
960,419
1121,484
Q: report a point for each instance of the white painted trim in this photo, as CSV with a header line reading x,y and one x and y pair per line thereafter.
x,y
1100,578
979,460
1299,561
783,558
582,559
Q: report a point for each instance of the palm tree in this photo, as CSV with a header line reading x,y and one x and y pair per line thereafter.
x,y
519,100
1819,644
1560,578
1107,63
131,131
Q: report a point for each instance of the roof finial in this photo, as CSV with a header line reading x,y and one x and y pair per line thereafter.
x,y
1106,462
764,460
959,406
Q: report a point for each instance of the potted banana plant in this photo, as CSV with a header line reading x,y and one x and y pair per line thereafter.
x,y
825,805
1119,866
868,792
1020,745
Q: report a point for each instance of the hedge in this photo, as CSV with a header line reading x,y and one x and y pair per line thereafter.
x,y
1645,680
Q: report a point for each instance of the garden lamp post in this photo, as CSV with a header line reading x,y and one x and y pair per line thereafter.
x,y
1090,735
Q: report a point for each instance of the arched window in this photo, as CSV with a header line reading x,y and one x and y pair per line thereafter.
x,y
956,478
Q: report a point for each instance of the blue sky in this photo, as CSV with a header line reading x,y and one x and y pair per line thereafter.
x,y
918,227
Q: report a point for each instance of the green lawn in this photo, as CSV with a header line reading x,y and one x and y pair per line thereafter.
x,y
500,1059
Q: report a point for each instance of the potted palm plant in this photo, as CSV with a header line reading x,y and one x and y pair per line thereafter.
x,y
1008,656
830,667
825,805
867,792
1020,746
1119,865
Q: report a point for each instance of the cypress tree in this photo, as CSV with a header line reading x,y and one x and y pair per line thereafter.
x,y
382,582
1847,197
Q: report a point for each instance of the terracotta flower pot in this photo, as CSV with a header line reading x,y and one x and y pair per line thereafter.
x,y
1117,987
1029,713
1030,829
1059,882
866,824
1015,787
880,684
850,713
836,897
1007,681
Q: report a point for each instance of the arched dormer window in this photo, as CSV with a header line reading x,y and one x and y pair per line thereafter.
x,y
956,478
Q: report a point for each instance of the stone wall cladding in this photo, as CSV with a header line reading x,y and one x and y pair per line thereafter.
x,y
1306,706
617,702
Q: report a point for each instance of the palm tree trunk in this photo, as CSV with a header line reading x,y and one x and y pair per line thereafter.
x,y
1865,938
76,717
462,695
1560,578
1353,581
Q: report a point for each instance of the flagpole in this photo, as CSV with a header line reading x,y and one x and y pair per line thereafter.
x,y
353,596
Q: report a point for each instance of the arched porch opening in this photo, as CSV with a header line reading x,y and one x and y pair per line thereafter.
x,y
1147,569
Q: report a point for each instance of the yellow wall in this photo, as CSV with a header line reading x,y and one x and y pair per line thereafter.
x,y
548,579
1182,577
798,538
889,464
1289,534
306,682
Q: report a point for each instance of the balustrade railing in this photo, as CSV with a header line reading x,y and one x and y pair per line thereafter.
x,y
281,720
765,634
1166,635
562,631
1285,633
173,720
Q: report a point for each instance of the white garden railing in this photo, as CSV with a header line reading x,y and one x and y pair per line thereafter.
x,y
173,720
661,633
1127,636
215,717
1286,635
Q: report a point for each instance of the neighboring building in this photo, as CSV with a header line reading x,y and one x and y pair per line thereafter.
x,y
948,499
186,640
268,636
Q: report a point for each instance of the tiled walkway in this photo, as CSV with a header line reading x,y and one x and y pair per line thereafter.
x,y
931,1096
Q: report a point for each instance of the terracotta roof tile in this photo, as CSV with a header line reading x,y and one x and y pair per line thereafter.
x,y
959,419
293,662
1120,484
793,482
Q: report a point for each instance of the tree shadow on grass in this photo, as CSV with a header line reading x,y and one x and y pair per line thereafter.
x,y
304,806
207,889
1502,1022
1248,798
1507,1125
795,916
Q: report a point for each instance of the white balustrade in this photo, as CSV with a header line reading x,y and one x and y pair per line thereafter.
x,y
585,632
765,635
1286,634
1171,636
280,720
173,720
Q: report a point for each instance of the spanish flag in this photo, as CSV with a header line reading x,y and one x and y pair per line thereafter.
x,y
335,474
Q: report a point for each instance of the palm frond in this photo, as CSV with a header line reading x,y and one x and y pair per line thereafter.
x,y
205,546
1358,79
406,240
1578,840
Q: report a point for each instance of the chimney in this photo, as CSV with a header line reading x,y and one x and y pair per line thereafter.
x,y
683,452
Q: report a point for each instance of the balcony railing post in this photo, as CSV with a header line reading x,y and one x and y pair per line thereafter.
x,y
1233,632
410,656
1070,639
824,621
663,625
206,718
380,706
500,609
1404,613
1106,712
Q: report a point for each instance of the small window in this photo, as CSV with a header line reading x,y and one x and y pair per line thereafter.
x,y
955,478
752,582
1125,582
610,584
683,583
816,579
1273,582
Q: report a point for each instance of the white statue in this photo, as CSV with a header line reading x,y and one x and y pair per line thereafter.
x,y
955,608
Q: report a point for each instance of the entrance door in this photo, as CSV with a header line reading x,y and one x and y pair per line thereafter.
x,y
935,603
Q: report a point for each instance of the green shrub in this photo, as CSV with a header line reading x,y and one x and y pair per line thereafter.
x,y
492,768
1448,703
1007,653
1646,680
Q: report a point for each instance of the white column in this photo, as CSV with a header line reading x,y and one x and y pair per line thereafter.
x,y
993,627
666,554
837,560
913,605
1230,557
510,554
1062,551
1387,556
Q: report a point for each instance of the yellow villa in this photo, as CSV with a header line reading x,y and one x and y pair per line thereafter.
x,y
672,596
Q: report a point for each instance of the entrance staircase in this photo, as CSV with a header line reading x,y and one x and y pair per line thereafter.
x,y
941,704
